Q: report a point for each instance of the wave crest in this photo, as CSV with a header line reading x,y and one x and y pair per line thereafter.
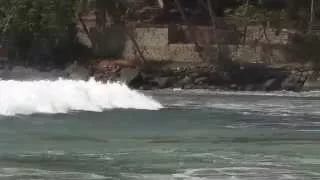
x,y
63,96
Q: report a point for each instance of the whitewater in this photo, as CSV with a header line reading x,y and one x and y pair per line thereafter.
x,y
63,96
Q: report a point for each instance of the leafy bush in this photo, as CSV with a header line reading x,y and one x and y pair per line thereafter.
x,y
39,25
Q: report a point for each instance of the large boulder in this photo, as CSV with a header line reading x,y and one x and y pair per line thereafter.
x,y
77,72
271,85
200,80
162,82
186,80
128,75
312,84
291,82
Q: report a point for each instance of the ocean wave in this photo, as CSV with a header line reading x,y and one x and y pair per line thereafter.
x,y
24,173
63,96
241,93
236,173
283,104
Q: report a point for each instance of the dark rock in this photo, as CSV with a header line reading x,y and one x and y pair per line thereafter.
x,y
271,85
186,80
225,77
77,72
98,75
146,76
205,86
112,76
233,86
249,87
146,87
141,88
162,82
206,69
188,86
200,80
312,84
310,73
305,74
291,83
177,86
212,87
128,75
194,75
200,86
302,79
166,72
214,78
294,72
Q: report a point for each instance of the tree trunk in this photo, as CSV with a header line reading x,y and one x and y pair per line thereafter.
x,y
85,28
190,32
160,3
214,26
311,15
100,15
130,34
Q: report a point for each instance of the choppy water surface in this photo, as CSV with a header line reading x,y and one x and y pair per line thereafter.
x,y
198,135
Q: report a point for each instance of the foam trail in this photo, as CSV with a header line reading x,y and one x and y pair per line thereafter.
x,y
63,96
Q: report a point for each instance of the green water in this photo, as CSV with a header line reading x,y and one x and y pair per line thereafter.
x,y
198,136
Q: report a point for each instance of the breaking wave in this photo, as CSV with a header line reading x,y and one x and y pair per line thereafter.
x,y
63,96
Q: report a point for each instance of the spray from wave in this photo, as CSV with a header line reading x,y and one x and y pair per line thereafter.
x,y
63,96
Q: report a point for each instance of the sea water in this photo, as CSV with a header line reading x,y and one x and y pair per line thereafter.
x,y
78,130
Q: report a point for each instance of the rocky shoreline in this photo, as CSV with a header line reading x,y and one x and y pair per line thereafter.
x,y
249,77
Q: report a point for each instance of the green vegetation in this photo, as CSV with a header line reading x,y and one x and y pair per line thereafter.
x,y
45,26
44,31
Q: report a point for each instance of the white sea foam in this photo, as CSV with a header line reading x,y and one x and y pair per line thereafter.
x,y
62,96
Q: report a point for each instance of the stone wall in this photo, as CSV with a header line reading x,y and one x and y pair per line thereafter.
x,y
156,44
184,52
258,34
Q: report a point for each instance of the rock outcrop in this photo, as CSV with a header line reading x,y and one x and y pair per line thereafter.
x,y
77,72
312,82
